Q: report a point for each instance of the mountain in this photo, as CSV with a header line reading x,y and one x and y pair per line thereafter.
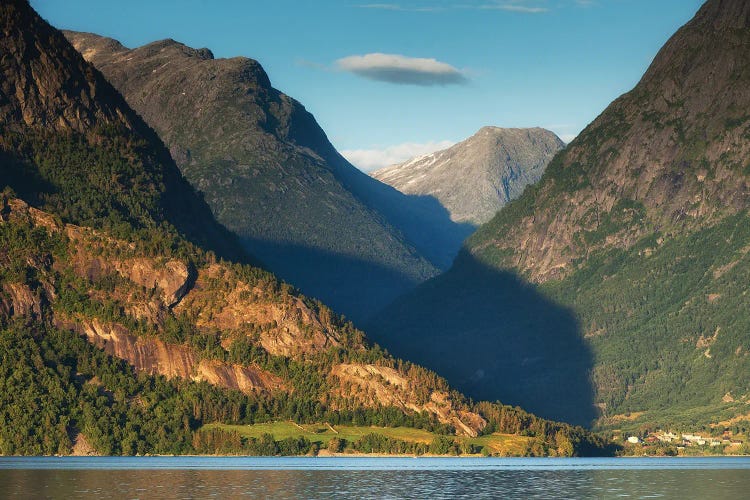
x,y
476,177
62,119
124,330
633,247
270,175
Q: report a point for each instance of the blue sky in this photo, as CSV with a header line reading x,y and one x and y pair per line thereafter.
x,y
391,79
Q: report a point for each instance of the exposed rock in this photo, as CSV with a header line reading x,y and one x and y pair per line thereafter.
x,y
21,301
154,357
153,312
475,178
387,386
242,378
173,279
82,447
214,295
287,328
144,354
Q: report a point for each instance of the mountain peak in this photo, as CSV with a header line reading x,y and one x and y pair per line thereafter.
x,y
108,54
476,177
491,129
725,14
170,43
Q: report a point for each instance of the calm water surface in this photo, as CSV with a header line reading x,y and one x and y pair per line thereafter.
x,y
435,478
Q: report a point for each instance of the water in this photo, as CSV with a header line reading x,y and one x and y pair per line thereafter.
x,y
434,478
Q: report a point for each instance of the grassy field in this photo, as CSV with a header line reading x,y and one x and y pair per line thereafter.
x,y
505,444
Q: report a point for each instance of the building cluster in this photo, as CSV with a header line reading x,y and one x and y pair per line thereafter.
x,y
685,440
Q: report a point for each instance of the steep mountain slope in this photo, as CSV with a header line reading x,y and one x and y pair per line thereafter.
x,y
118,332
476,177
669,156
271,176
639,230
66,124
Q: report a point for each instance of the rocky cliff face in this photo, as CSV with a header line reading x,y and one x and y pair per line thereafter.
x,y
476,177
270,175
156,357
383,385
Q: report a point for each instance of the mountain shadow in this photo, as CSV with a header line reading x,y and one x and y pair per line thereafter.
x,y
494,337
422,219
349,285
355,286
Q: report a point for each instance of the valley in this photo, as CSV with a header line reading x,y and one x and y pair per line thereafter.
x,y
130,318
189,266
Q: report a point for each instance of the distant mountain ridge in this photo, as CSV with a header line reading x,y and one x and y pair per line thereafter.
x,y
632,251
476,177
270,175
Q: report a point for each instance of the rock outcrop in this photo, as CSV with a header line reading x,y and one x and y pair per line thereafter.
x,y
19,300
380,384
156,357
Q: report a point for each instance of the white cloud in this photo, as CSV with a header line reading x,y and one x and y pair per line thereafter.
x,y
568,138
399,69
381,6
399,7
515,6
521,6
368,160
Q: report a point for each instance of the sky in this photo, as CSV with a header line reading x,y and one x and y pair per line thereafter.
x,y
391,79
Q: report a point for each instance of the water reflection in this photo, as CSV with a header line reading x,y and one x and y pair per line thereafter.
x,y
435,484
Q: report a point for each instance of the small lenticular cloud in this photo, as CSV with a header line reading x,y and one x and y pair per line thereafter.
x,y
398,69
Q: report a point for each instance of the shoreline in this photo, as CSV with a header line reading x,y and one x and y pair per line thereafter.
x,y
328,454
